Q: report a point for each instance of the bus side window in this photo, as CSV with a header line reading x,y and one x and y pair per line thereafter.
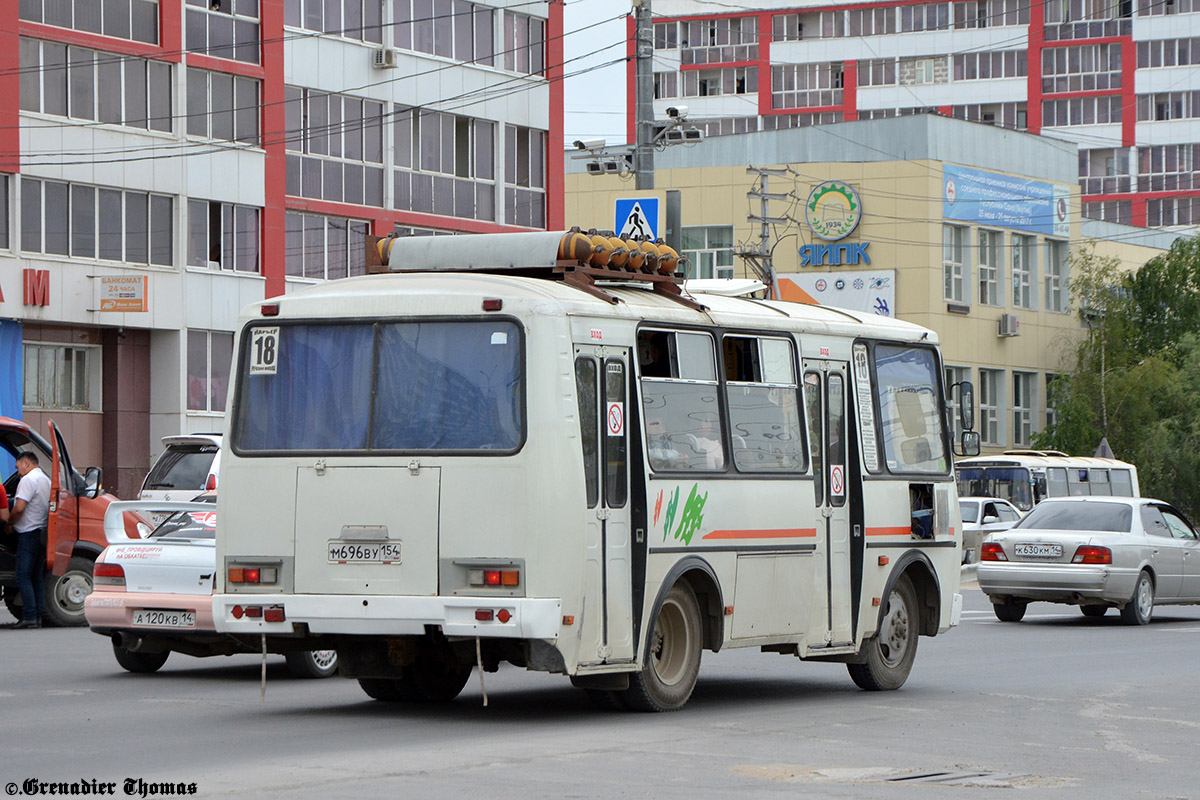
x,y
816,433
1098,478
1056,483
1077,482
589,420
1122,486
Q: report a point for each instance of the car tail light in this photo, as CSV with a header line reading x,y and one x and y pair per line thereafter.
x,y
211,485
108,575
991,551
1091,554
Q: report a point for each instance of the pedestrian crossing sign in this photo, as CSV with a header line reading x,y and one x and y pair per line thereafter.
x,y
637,216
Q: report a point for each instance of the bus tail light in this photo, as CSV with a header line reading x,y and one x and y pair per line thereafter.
x,y
108,575
510,578
991,551
255,575
274,614
1092,554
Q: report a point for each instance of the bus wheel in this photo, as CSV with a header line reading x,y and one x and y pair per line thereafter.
x,y
65,593
890,652
607,700
388,690
139,662
673,658
436,680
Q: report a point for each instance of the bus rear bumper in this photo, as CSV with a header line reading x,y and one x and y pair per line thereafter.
x,y
510,617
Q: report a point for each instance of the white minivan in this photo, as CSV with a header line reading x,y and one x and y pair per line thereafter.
x,y
188,465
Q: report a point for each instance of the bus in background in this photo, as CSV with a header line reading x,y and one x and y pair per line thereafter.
x,y
562,461
1027,477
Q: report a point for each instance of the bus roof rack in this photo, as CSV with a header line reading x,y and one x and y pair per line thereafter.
x,y
574,257
1055,453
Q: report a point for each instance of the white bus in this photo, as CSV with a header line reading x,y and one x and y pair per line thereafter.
x,y
557,464
1027,477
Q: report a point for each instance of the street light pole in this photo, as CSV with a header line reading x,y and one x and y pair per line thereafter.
x,y
643,154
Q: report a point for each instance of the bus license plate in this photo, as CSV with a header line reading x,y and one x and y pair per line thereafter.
x,y
1039,550
153,618
341,552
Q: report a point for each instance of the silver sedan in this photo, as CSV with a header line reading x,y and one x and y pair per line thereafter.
x,y
1095,552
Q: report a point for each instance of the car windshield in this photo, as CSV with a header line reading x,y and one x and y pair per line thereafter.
x,y
968,510
189,524
1049,515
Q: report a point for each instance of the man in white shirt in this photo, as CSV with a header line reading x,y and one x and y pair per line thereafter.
x,y
29,518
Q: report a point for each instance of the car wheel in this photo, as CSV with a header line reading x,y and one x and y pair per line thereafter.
x,y
1094,611
672,663
312,663
890,652
1011,610
65,593
139,662
1141,606
12,601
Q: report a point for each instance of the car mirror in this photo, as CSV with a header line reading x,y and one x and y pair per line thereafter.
x,y
91,482
989,518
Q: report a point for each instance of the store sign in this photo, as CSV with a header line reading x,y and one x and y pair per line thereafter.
x,y
834,255
124,293
37,287
990,198
832,212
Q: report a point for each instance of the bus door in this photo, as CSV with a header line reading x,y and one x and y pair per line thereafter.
x,y
602,384
825,396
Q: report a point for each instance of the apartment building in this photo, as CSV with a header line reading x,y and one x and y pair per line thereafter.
x,y
1116,77
165,162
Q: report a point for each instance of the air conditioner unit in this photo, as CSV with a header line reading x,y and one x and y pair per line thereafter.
x,y
385,58
1010,325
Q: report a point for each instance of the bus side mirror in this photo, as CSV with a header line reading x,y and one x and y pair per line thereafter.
x,y
966,404
968,444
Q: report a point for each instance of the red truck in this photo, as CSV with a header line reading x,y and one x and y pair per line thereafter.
x,y
75,533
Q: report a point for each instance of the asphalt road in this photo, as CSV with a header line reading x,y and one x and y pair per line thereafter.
x,y
1058,706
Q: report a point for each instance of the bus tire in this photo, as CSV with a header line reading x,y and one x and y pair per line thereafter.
x,y
436,680
143,663
312,663
888,655
672,663
607,699
65,593
387,690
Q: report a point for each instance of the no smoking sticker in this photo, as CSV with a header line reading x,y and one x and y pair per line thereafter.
x,y
837,480
616,419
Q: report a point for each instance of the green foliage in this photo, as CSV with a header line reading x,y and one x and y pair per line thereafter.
x,y
1137,375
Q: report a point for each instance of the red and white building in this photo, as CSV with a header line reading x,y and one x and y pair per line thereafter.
x,y
1119,77
165,162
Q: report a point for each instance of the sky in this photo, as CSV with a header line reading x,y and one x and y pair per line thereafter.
x,y
594,101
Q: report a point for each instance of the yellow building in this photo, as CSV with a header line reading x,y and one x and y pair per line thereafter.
x,y
962,227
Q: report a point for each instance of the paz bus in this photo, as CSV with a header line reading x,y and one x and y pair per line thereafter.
x,y
1027,477
536,448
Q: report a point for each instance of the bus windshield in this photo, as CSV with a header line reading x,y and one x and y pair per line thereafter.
x,y
1008,483
910,409
406,386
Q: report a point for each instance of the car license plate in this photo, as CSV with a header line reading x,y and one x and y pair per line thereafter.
x,y
154,618
1038,550
342,552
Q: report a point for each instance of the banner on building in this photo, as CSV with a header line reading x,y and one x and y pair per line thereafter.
x,y
990,198
124,293
871,292
12,357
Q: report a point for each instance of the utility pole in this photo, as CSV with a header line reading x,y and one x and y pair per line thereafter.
x,y
761,260
643,153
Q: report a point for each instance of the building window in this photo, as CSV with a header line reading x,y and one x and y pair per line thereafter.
x,y
1084,111
445,164
990,394
524,43
354,19
209,354
4,211
525,176
666,85
806,85
1168,53
709,252
1024,271
877,72
448,28
95,222
136,20
61,378
1057,273
1006,115
338,147
1162,211
989,267
786,28
714,82
955,375
996,64
928,17
1164,7
321,247
92,85
1051,413
223,236
1081,68
1170,167
719,41
870,21
1168,105
223,28
954,264
222,106
1024,398
666,35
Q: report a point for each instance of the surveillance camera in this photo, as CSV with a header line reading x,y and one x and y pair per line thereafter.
x,y
589,144
677,112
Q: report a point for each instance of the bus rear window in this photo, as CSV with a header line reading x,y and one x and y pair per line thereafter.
x,y
405,386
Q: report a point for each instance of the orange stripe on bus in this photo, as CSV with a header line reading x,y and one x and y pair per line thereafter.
x,y
904,531
774,533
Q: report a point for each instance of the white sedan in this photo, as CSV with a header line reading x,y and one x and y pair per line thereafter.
x,y
1094,552
981,516
153,596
